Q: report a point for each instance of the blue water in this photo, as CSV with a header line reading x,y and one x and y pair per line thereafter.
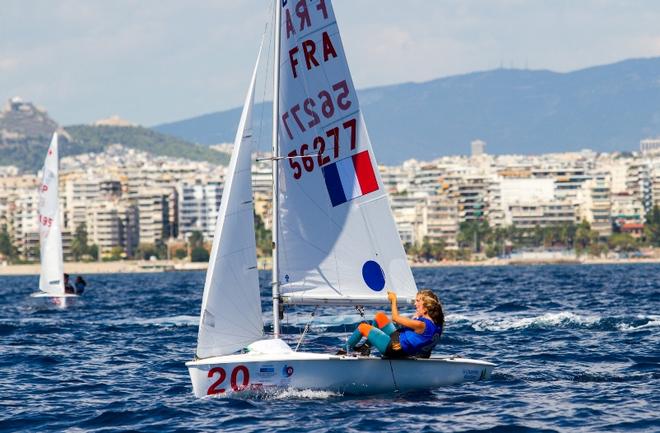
x,y
577,348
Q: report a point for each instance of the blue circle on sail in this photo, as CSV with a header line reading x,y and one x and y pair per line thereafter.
x,y
373,275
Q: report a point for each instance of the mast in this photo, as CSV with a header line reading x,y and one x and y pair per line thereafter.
x,y
276,181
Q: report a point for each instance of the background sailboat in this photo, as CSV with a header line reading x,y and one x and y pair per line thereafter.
x,y
51,277
335,240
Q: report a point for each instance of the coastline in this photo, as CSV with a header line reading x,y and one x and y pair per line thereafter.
x,y
144,266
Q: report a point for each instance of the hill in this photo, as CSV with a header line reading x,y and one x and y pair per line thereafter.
x,y
26,130
604,108
87,138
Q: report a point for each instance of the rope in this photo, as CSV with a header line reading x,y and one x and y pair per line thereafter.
x,y
302,336
396,387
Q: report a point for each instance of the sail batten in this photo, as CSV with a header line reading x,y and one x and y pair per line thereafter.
x,y
230,318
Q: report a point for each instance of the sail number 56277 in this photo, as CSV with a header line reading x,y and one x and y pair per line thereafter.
x,y
215,387
298,161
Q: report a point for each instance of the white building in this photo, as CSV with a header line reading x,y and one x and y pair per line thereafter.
x,y
198,207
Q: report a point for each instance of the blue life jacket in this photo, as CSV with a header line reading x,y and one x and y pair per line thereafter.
x,y
413,343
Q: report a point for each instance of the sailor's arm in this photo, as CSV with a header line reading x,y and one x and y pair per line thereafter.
x,y
416,325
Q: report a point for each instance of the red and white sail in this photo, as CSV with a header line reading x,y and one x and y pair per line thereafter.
x,y
51,279
338,241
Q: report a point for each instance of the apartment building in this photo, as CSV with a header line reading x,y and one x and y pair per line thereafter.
x,y
114,224
595,204
543,214
441,218
198,207
153,212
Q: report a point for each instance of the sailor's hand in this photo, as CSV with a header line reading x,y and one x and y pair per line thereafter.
x,y
391,296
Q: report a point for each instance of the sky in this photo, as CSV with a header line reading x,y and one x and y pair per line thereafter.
x,y
157,61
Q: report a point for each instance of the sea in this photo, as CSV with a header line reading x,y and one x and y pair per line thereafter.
x,y
577,348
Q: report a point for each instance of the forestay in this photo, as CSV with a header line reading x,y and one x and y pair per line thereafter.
x,y
50,234
231,307
338,242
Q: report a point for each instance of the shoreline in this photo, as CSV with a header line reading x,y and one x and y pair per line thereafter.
x,y
144,266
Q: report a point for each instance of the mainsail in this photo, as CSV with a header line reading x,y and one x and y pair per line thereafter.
x,y
231,307
50,234
338,242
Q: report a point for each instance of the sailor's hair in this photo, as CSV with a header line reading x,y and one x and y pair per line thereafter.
x,y
433,306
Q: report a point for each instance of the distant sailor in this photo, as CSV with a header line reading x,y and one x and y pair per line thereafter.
x,y
68,288
415,337
80,285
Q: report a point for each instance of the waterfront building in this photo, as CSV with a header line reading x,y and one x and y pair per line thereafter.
x,y
441,218
153,211
408,215
595,205
543,214
114,224
199,204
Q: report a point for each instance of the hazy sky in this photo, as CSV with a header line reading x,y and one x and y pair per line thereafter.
x,y
154,61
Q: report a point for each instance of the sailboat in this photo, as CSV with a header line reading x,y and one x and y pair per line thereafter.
x,y
335,241
51,278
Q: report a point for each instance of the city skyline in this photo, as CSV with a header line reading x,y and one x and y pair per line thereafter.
x,y
162,62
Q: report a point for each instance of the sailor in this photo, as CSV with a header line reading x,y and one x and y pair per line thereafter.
x,y
79,285
416,336
68,288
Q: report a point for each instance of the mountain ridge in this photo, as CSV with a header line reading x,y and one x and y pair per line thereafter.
x,y
605,108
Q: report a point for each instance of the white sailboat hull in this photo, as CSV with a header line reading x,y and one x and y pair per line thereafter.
x,y
61,300
353,375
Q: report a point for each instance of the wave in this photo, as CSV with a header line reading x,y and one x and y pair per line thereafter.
x,y
563,319
182,320
642,322
278,394
548,320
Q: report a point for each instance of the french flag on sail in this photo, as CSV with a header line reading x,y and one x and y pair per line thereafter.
x,y
350,178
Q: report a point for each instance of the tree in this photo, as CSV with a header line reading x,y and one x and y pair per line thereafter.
x,y
652,227
116,253
598,249
79,245
472,233
146,251
622,242
180,253
93,251
497,240
199,254
431,250
263,237
584,237
196,239
6,246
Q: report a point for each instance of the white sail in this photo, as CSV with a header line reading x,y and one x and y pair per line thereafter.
x,y
231,307
50,233
338,242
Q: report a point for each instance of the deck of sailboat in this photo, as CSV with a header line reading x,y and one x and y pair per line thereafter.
x,y
312,356
53,295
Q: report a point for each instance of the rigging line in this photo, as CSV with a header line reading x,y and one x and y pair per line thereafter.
x,y
302,336
396,387
268,56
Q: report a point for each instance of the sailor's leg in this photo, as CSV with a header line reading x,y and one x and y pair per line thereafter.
x,y
375,336
355,338
384,323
